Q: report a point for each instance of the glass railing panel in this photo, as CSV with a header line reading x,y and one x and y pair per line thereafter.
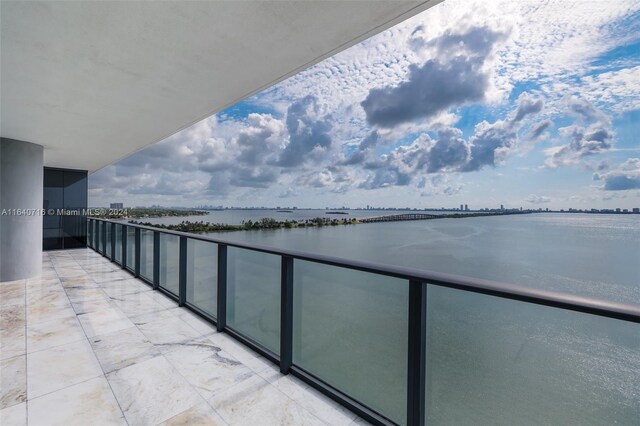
x,y
350,330
89,234
169,263
131,248
118,232
499,361
253,295
99,240
94,233
108,227
146,254
202,276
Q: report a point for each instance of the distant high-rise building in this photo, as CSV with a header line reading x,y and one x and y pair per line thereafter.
x,y
461,207
501,206
618,210
466,207
116,205
636,209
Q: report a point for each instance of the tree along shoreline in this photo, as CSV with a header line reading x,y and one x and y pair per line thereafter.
x,y
143,212
269,223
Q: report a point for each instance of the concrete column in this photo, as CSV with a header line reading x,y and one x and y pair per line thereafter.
x,y
21,195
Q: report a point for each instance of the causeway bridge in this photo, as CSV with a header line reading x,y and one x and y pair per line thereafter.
x,y
399,217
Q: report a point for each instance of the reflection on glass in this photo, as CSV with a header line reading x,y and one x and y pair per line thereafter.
x,y
350,329
99,240
74,226
90,234
131,247
498,361
146,254
170,263
202,275
108,238
118,243
94,234
253,295
53,199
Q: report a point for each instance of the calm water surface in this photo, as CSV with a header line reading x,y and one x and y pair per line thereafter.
x,y
590,255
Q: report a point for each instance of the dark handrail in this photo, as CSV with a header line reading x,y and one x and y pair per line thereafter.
x,y
555,299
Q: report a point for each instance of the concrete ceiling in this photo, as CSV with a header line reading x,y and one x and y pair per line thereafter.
x,y
94,82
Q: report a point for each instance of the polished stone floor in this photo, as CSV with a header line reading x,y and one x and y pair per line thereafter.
x,y
87,344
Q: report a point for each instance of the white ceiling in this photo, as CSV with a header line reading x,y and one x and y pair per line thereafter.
x,y
94,82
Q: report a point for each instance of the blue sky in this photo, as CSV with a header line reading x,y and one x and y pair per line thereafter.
x,y
532,104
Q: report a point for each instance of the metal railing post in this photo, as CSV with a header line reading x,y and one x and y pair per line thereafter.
x,y
221,315
286,314
136,253
416,371
182,273
123,249
156,260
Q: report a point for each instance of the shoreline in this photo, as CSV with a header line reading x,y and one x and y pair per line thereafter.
x,y
318,222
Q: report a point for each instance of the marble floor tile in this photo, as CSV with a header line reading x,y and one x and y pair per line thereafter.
x,y
80,275
256,402
199,415
49,274
48,334
168,331
56,368
86,306
137,304
104,321
77,294
55,295
96,267
207,368
77,281
152,391
16,415
13,381
165,314
163,300
12,343
122,348
87,403
69,271
12,282
198,323
41,283
289,385
12,293
322,407
12,331
123,287
241,352
38,313
114,275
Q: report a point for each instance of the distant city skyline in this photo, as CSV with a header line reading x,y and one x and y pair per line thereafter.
x,y
464,207
532,104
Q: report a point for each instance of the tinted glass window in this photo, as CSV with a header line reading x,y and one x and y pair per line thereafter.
x,y
64,189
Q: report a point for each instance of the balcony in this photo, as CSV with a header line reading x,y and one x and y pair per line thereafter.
x,y
88,344
174,328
